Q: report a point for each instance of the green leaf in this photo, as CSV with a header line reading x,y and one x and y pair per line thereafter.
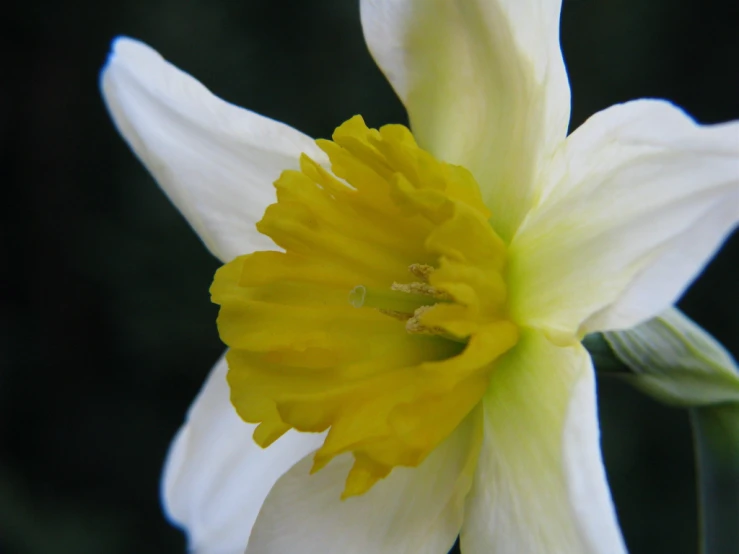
x,y
716,435
674,360
604,359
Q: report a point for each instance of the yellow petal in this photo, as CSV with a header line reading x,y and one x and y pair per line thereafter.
x,y
382,319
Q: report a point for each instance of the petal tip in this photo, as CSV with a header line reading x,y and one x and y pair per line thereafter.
x,y
127,47
128,52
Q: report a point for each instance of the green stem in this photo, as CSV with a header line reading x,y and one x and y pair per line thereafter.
x,y
716,436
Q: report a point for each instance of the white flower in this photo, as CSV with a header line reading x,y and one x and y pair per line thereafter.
x,y
599,230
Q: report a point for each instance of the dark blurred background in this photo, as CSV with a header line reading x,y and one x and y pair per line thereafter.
x,y
107,327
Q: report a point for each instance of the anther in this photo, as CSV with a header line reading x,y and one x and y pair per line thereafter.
x,y
422,271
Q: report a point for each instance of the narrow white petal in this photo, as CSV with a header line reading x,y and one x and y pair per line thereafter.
x,y
412,511
484,84
666,277
216,478
587,485
214,160
540,485
638,200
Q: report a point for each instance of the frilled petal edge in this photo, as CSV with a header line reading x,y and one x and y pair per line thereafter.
x,y
412,511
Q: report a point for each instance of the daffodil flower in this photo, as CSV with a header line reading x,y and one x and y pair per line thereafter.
x,y
404,316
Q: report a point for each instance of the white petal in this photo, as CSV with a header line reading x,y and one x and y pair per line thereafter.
x,y
484,84
540,485
666,277
214,160
638,200
587,485
412,511
216,478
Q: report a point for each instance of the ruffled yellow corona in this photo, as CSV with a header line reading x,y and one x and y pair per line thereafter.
x,y
382,318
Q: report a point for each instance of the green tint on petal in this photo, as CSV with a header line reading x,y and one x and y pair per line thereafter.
x,y
540,485
484,84
637,201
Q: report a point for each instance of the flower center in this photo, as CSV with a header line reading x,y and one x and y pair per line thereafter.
x,y
406,301
381,319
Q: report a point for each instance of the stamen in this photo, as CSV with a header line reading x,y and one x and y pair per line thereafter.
x,y
422,288
397,315
422,271
414,327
